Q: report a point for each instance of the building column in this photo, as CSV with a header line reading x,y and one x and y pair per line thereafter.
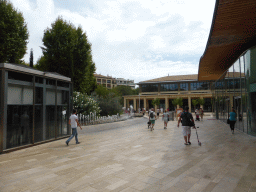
x,y
201,106
134,104
145,103
125,103
189,104
166,103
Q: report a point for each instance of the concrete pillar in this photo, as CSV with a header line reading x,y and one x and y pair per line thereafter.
x,y
201,106
166,103
145,103
189,104
134,104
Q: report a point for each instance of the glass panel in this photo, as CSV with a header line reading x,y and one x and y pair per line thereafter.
x,y
38,123
149,88
183,86
50,113
19,125
50,121
169,87
20,76
62,120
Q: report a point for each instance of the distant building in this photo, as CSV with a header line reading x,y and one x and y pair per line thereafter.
x,y
126,82
106,81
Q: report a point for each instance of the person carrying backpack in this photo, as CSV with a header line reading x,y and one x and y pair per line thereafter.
x,y
152,117
187,123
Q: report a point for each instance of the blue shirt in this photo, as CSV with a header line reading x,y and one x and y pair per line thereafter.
x,y
232,116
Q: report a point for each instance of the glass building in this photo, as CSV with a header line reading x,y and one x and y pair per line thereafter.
x,y
34,106
237,88
229,60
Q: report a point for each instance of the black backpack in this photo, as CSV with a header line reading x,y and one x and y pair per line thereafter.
x,y
151,115
187,120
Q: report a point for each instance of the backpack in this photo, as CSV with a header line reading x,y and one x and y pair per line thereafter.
x,y
151,115
187,120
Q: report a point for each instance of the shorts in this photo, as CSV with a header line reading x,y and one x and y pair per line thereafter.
x,y
186,130
152,122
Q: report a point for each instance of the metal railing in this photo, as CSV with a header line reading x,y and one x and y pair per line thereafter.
x,y
93,119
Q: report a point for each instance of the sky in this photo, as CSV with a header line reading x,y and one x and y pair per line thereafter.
x,y
131,39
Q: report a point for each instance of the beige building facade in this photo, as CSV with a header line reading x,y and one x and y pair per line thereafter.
x,y
106,81
168,88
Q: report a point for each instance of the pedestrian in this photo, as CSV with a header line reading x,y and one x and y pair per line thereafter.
x,y
157,113
73,121
197,114
166,119
152,118
201,113
187,118
232,120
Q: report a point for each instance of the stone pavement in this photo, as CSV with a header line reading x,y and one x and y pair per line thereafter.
x,y
132,158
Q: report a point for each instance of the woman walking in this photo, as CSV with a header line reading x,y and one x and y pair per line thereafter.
x,y
165,118
232,120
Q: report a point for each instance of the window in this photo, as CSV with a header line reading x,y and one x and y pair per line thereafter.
x,y
199,86
149,88
108,81
169,87
184,87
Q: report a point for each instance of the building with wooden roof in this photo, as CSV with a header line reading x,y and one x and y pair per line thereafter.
x,y
231,51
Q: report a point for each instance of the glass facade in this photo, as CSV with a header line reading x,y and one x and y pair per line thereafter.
x,y
183,86
199,86
237,88
169,87
36,107
149,88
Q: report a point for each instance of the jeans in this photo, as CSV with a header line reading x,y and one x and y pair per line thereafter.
x,y
74,134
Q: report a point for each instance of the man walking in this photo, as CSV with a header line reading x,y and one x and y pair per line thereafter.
x,y
152,118
187,118
73,121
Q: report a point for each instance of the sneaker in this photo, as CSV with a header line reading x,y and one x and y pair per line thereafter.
x,y
189,143
78,143
67,143
185,143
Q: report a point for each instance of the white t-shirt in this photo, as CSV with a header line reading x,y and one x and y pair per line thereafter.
x,y
73,122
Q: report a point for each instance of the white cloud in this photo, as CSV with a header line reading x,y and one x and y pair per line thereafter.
x,y
133,39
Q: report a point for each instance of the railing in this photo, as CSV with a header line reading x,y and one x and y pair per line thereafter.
x,y
93,119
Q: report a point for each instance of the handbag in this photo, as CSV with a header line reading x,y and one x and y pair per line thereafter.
x,y
228,121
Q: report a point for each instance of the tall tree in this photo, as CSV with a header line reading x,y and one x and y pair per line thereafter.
x,y
13,34
31,59
67,51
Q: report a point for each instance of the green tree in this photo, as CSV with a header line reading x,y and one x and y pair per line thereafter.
x,y
67,51
177,101
13,34
156,102
201,101
195,103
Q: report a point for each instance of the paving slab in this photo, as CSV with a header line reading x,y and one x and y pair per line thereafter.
x,y
127,156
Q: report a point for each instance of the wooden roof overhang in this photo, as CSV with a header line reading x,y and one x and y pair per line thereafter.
x,y
233,31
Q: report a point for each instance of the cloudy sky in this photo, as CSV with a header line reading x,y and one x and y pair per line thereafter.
x,y
133,39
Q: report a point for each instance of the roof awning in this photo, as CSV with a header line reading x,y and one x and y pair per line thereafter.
x,y
233,31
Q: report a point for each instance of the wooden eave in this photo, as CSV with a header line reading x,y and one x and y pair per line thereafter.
x,y
233,31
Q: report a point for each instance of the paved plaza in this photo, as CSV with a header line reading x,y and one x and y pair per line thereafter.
x,y
126,156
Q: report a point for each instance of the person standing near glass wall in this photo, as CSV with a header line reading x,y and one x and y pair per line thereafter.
x,y
73,121
232,119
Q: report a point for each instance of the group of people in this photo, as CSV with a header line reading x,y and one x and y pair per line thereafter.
x,y
185,116
152,117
